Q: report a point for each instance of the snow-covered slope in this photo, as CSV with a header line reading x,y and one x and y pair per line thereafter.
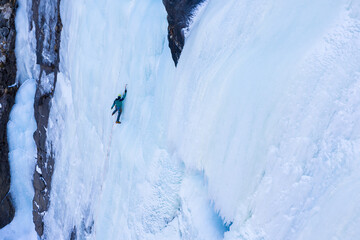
x,y
254,135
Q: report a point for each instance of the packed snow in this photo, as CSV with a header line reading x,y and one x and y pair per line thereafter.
x,y
255,135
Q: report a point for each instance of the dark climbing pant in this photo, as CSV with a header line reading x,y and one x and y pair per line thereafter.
x,y
119,114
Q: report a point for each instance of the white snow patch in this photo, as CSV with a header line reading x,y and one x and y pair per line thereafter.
x,y
38,169
47,83
13,85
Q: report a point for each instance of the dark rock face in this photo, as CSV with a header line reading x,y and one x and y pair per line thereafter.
x,y
47,22
179,15
7,210
7,99
73,234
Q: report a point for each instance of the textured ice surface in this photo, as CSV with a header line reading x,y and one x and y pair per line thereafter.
x,y
117,181
257,123
22,154
25,45
21,127
257,129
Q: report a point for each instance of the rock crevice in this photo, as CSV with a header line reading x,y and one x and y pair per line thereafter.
x,y
7,99
46,19
180,13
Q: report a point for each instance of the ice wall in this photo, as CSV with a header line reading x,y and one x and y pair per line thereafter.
x,y
25,43
21,126
256,129
266,92
22,154
109,175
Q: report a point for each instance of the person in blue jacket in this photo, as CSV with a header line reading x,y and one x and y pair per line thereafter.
x,y
118,105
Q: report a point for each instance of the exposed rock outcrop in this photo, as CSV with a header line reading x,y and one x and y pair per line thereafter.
x,y
7,99
179,16
47,22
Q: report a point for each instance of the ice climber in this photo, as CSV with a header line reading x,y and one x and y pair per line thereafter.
x,y
118,105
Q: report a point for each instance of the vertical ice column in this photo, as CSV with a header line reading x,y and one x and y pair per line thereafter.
x,y
21,127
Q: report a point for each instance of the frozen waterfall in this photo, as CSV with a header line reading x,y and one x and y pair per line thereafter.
x,y
254,135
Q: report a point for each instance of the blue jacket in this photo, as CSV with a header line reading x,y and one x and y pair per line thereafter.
x,y
118,101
